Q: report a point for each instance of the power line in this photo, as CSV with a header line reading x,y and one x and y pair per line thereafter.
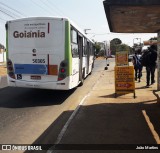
x,y
62,13
6,13
13,9
48,6
9,12
40,7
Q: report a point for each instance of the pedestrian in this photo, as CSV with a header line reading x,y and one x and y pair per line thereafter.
x,y
137,65
151,58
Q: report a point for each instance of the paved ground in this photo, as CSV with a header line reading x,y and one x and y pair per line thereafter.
x,y
104,119
3,70
3,78
3,73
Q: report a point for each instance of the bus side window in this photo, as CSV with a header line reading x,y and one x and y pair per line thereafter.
x,y
91,48
74,36
74,45
88,48
85,47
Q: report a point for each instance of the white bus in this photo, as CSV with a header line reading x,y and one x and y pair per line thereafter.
x,y
47,53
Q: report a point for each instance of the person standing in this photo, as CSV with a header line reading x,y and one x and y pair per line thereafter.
x,y
137,65
151,59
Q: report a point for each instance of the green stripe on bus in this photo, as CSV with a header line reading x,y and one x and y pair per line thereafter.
x,y
68,55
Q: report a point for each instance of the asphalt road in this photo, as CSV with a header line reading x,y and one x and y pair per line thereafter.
x,y
26,113
31,116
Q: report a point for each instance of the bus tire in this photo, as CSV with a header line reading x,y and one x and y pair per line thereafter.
x,y
91,69
90,72
82,79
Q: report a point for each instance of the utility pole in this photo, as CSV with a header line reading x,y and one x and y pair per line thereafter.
x,y
85,30
158,61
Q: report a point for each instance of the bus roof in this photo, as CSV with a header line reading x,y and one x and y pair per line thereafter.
x,y
54,17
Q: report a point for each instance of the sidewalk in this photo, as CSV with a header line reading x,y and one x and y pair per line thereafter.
x,y
3,69
3,77
103,119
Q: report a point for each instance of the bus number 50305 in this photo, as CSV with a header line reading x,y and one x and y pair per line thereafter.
x,y
38,60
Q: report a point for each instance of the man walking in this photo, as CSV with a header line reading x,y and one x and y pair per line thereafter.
x,y
137,65
151,64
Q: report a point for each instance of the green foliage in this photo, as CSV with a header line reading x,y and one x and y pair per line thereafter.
x,y
116,41
97,47
114,45
123,47
154,38
101,53
113,48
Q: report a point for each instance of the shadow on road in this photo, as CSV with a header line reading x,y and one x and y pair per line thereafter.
x,y
24,97
106,123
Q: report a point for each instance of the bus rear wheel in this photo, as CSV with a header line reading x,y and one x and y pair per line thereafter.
x,y
82,79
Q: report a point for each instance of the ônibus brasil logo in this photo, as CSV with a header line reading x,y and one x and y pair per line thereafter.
x,y
30,34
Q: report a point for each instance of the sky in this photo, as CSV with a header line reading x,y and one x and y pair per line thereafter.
x,y
87,14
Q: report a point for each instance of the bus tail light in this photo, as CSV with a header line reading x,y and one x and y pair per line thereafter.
x,y
10,69
62,70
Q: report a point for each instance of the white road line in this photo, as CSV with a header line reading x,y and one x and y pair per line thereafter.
x,y
154,133
61,134
64,129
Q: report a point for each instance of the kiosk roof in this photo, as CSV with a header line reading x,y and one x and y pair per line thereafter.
x,y
133,16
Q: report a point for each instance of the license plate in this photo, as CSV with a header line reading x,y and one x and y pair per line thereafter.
x,y
36,77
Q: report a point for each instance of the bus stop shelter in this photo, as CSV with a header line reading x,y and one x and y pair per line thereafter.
x,y
134,16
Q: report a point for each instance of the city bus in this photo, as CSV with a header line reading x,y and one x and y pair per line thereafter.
x,y
47,53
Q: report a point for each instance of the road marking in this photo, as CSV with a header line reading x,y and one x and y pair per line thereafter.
x,y
154,133
64,129
69,120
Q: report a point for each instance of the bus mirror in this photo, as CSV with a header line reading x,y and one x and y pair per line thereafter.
x,y
6,26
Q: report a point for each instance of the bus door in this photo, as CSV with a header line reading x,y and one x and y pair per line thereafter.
x,y
80,51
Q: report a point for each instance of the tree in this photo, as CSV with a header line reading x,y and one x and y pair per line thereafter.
x,y
154,38
114,45
123,47
116,41
97,47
